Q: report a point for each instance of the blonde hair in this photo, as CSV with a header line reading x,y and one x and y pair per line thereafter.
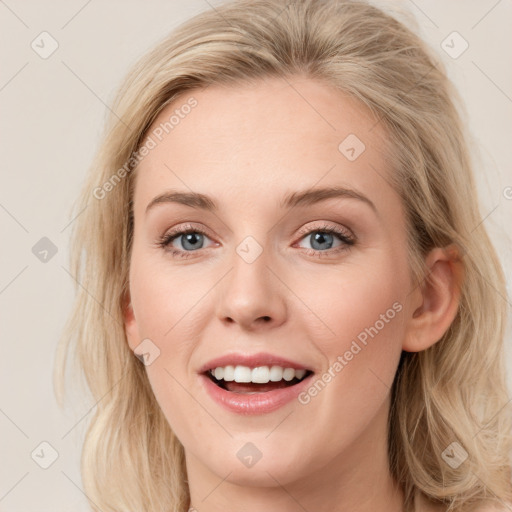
x,y
453,392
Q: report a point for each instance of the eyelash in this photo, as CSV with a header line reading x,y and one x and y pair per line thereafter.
x,y
348,240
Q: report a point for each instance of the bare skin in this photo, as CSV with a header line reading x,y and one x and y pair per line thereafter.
x,y
247,147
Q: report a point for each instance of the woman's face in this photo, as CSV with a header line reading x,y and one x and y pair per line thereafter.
x,y
275,271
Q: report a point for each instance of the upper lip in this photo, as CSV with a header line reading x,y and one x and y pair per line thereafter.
x,y
251,360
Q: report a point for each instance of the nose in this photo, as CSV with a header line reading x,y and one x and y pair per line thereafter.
x,y
252,295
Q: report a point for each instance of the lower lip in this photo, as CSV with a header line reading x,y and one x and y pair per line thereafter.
x,y
257,403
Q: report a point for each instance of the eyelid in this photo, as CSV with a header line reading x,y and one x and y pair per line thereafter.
x,y
343,233
183,228
164,241
326,226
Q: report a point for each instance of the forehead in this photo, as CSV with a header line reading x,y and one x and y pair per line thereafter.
x,y
254,143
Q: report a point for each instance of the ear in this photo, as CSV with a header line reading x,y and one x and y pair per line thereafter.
x,y
130,323
435,300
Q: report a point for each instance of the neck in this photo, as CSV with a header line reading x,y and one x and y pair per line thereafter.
x,y
356,480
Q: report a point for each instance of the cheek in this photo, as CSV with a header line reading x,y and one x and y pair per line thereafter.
x,y
353,300
165,295
168,303
362,312
363,307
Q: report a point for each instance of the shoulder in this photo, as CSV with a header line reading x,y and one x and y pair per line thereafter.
x,y
491,507
425,505
495,507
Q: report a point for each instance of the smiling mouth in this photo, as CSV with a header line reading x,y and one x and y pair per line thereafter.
x,y
261,379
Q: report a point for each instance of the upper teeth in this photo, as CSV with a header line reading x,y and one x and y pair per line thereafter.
x,y
259,375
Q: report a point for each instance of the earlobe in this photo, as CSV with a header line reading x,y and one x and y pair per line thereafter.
x,y
130,323
439,294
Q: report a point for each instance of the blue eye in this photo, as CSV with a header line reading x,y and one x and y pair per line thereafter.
x,y
191,240
322,241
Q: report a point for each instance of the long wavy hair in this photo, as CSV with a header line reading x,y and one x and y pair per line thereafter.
x,y
453,392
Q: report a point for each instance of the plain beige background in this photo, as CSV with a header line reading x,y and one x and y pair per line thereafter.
x,y
52,113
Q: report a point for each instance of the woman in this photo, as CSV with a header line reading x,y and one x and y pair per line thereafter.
x,y
289,299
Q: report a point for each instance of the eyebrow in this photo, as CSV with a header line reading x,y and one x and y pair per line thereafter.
x,y
291,200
